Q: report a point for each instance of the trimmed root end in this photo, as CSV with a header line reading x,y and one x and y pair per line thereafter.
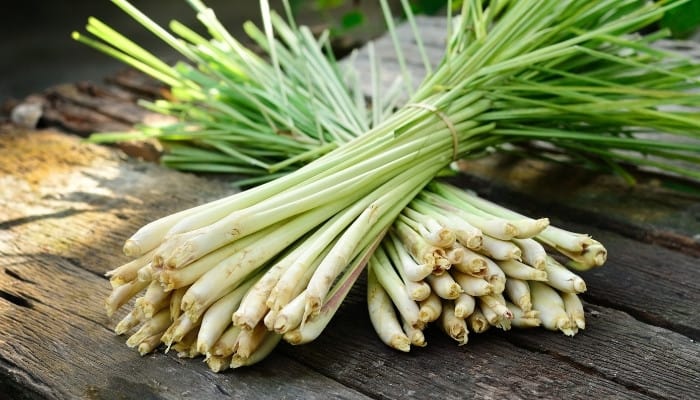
x,y
132,248
400,342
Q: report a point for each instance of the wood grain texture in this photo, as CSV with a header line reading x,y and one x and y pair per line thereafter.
x,y
489,366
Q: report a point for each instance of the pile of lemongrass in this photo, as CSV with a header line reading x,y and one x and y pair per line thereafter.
x,y
230,278
468,264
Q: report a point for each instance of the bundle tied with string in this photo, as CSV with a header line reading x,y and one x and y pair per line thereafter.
x,y
230,278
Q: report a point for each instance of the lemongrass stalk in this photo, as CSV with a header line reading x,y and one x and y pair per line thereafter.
x,y
291,315
455,253
492,226
495,276
455,327
279,299
254,304
182,326
445,286
464,306
521,319
187,347
574,309
518,292
416,336
249,340
560,278
154,299
417,290
497,303
391,283
302,265
472,263
176,302
593,255
225,345
130,320
152,326
219,315
466,234
561,239
473,286
122,294
419,248
551,309
339,257
533,254
149,236
430,308
263,350
218,364
403,261
493,317
148,344
311,328
128,271
499,249
477,322
147,273
429,228
525,227
516,269
382,315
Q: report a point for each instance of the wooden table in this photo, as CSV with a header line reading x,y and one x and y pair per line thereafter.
x,y
66,207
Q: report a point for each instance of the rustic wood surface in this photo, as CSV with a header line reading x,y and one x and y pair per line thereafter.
x,y
66,207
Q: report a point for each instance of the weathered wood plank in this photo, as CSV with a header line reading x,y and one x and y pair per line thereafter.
x,y
627,352
654,284
47,176
60,230
494,364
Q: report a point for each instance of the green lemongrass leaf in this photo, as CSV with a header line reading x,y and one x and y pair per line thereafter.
x,y
638,160
155,28
210,167
125,45
127,59
111,137
631,143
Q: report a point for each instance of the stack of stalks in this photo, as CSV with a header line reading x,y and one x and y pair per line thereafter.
x,y
450,257
231,278
468,264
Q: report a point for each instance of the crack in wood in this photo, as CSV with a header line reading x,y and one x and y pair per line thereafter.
x,y
7,225
14,299
16,275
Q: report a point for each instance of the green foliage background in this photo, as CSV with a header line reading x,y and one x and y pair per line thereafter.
x,y
683,21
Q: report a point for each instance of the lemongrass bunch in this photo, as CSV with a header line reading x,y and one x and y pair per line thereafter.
x,y
284,254
495,270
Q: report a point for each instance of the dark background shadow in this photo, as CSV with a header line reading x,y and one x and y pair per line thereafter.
x,y
36,50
